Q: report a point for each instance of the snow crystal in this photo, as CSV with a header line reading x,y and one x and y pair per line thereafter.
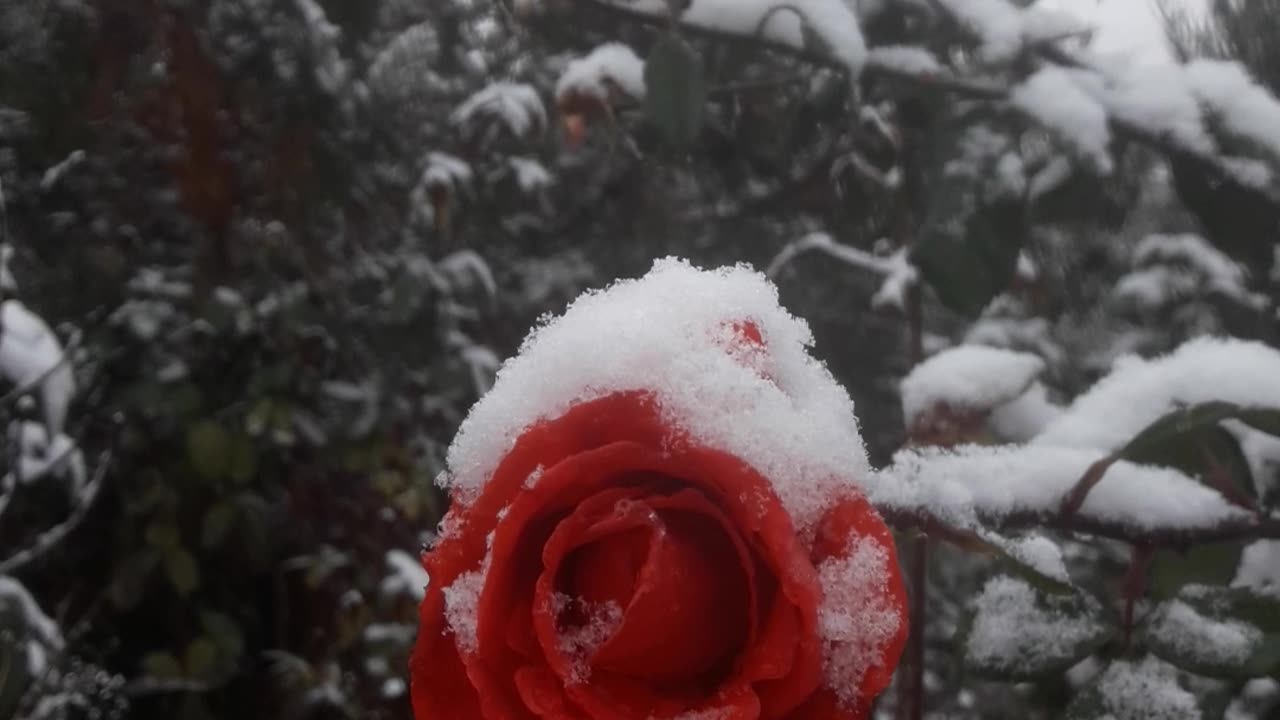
x,y
904,58
1145,690
998,482
832,21
1053,98
1138,392
610,63
461,600
855,619
968,377
1193,634
516,105
666,333
579,642
407,577
1011,629
1244,107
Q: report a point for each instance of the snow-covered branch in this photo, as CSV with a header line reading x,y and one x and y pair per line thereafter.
x,y
51,538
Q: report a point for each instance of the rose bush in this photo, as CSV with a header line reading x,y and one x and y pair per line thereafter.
x,y
611,567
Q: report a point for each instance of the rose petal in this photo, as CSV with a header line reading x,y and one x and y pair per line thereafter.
x,y
854,518
542,694
693,606
438,682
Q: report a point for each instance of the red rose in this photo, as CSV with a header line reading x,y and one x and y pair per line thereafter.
x,y
611,568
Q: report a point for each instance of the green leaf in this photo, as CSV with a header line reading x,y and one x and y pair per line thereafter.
x,y
1218,632
130,577
182,570
224,632
200,658
1015,632
218,520
242,461
161,665
162,535
969,255
208,449
1207,564
675,90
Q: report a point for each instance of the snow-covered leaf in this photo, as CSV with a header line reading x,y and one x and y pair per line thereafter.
x,y
1018,633
1218,632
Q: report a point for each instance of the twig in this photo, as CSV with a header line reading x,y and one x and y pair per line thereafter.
x,y
50,538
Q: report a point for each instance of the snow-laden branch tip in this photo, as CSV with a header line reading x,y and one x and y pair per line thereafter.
x,y
968,377
31,357
516,106
608,70
896,269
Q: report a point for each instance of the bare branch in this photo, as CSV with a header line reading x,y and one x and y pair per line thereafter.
x,y
52,537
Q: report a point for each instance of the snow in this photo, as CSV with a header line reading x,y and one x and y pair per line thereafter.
x,y
996,23
1139,392
1011,629
1219,272
1156,98
832,21
1052,97
856,618
968,377
30,353
1260,567
407,576
530,174
1022,419
997,483
460,601
904,58
1146,689
516,105
446,171
667,333
1244,107
610,64
39,458
898,271
580,642
1038,553
1192,634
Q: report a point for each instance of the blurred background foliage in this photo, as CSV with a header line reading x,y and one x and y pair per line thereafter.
x,y
292,245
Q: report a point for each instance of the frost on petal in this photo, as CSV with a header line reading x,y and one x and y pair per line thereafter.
x,y
30,353
461,601
668,333
857,618
1052,97
1138,392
